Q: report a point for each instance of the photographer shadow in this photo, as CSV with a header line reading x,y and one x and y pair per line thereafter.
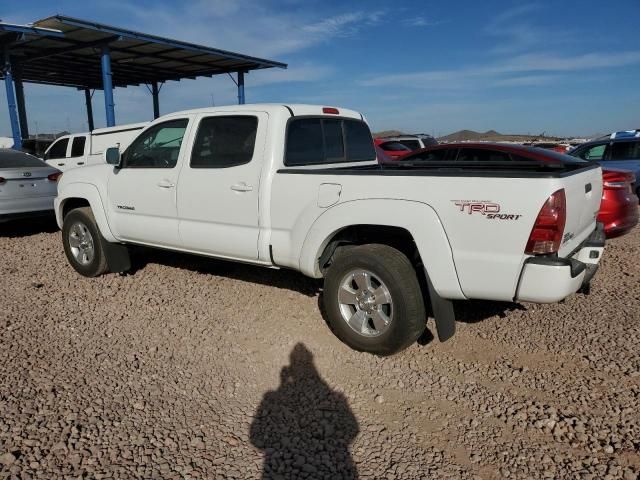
x,y
304,427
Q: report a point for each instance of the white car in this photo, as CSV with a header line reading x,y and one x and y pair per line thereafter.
x,y
300,187
83,149
28,186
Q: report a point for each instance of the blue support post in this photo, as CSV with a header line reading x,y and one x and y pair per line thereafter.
x,y
87,101
155,92
11,102
240,88
22,109
107,86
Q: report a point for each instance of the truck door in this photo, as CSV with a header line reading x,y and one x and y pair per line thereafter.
x,y
56,154
220,183
142,194
77,154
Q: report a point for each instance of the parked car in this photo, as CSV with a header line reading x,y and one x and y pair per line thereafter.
x,y
413,142
556,147
619,208
618,150
28,186
382,156
394,150
81,149
300,187
619,205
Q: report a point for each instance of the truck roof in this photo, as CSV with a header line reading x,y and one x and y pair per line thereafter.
x,y
117,128
295,109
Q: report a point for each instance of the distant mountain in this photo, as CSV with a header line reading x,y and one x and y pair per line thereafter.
x,y
387,133
491,136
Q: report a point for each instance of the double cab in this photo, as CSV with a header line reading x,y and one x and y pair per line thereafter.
x,y
300,187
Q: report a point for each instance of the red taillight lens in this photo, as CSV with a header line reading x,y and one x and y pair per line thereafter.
x,y
54,177
2,180
618,180
331,110
547,232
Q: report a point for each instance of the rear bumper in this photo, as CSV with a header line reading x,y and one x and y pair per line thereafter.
x,y
25,207
5,217
549,279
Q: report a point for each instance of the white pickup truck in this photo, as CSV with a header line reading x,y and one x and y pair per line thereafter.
x,y
299,187
82,149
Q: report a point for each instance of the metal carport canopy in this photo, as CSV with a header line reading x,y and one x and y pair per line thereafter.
x,y
67,51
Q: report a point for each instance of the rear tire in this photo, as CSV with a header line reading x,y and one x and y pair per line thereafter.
x,y
372,299
83,243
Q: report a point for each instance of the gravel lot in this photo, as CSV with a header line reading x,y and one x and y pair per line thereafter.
x,y
190,368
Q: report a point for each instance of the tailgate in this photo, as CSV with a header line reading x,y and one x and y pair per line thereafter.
x,y
583,192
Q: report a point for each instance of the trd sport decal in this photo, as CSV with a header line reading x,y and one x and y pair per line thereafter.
x,y
490,210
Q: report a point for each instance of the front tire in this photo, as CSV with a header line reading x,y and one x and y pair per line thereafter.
x,y
372,299
82,243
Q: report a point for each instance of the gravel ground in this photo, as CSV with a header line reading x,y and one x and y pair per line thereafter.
x,y
190,368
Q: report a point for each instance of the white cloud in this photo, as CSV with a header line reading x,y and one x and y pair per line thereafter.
x,y
421,22
526,81
515,30
271,32
505,71
296,73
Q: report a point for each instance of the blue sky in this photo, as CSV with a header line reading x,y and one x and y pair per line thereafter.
x,y
565,67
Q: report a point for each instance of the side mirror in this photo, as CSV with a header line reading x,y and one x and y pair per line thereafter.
x,y
112,156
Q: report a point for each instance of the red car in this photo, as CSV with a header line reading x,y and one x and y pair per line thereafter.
x,y
392,148
619,206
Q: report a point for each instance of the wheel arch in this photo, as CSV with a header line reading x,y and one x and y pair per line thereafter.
x,y
406,225
77,195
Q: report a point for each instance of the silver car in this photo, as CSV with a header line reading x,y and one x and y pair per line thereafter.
x,y
27,185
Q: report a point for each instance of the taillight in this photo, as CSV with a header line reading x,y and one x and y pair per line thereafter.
x,y
54,177
547,232
331,110
2,180
618,180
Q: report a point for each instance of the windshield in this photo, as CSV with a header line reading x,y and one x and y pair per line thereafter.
x,y
16,159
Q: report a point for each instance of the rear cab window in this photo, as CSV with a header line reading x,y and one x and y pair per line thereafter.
x,y
325,141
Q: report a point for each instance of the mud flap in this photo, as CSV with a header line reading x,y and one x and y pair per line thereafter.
x,y
442,313
117,255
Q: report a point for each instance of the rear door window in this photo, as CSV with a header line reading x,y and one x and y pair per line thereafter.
x,y
58,149
624,151
77,146
224,141
317,141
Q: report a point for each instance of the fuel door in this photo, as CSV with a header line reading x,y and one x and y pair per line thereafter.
x,y
329,194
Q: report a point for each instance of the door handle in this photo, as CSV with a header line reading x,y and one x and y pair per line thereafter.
x,y
166,184
241,187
